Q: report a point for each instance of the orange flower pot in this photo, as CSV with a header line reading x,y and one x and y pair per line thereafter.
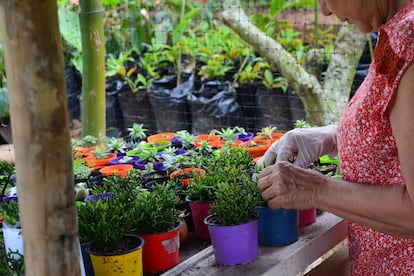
x,y
275,136
186,175
217,143
120,169
256,149
92,162
165,136
205,137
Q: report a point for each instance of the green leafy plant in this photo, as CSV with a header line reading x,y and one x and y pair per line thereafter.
x,y
11,213
137,132
236,200
270,81
203,188
229,133
100,152
266,132
113,144
117,66
249,71
235,158
186,138
302,124
7,170
89,141
80,169
293,42
154,212
222,165
104,219
215,68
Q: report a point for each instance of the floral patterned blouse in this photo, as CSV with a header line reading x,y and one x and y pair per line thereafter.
x,y
367,149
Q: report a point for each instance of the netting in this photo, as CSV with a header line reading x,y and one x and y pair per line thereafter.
x,y
203,65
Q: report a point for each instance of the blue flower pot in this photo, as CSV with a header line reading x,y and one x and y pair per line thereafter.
x,y
277,227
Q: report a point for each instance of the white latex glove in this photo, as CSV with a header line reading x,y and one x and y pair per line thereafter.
x,y
306,144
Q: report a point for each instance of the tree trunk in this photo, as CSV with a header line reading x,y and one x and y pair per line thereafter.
x,y
319,110
40,129
93,84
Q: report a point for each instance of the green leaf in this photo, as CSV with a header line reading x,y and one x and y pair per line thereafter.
x,y
69,28
184,24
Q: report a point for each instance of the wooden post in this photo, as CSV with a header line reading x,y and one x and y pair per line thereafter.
x,y
41,137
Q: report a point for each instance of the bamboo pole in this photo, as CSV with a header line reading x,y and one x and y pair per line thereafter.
x,y
93,84
40,129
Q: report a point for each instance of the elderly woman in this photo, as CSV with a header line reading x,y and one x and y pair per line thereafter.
x,y
374,143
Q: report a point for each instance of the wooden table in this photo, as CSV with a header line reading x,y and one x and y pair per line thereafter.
x,y
314,241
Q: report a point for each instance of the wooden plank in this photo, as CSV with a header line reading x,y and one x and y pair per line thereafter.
x,y
314,241
336,264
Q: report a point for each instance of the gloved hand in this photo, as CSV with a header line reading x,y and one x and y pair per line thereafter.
x,y
305,144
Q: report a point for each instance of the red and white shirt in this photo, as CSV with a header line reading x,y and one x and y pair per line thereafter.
x,y
367,150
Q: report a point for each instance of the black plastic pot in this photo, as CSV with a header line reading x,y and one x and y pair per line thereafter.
x,y
214,106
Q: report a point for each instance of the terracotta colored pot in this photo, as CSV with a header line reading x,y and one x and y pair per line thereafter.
x,y
91,160
275,136
165,136
205,137
120,169
256,149
186,175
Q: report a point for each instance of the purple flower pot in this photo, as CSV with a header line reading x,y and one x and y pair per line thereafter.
x,y
248,136
125,160
175,141
235,244
141,164
97,197
6,199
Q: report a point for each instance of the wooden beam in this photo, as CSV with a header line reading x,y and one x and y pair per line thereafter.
x,y
41,137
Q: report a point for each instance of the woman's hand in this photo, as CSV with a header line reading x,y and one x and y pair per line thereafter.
x,y
304,145
285,185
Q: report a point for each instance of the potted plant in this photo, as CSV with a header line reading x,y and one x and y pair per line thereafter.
x,y
277,227
103,221
137,133
256,149
163,136
229,133
186,175
200,196
155,219
183,139
99,157
115,145
268,133
233,222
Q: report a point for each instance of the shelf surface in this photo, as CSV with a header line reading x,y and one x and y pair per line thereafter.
x,y
314,241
